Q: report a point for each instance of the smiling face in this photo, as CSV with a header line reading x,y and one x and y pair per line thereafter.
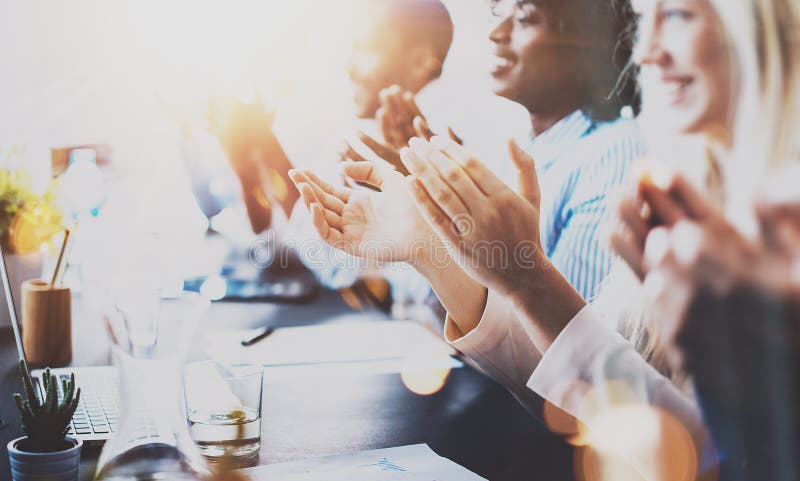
x,y
533,62
684,63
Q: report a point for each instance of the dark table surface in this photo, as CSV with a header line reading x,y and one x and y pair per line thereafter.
x,y
471,420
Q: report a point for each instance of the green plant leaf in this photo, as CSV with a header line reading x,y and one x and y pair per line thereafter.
x,y
74,404
51,394
69,389
23,407
28,384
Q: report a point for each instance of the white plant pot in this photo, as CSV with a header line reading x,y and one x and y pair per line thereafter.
x,y
20,269
55,466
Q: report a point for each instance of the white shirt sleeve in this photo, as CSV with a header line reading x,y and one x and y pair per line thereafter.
x,y
585,357
500,347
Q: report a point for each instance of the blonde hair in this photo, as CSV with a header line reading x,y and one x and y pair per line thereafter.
x,y
763,39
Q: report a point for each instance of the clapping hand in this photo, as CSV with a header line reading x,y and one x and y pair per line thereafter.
x,y
483,221
649,206
384,226
400,120
387,154
690,256
780,227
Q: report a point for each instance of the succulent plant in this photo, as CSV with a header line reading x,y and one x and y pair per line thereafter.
x,y
46,421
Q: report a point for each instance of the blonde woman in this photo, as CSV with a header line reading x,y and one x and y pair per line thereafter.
x,y
720,279
528,327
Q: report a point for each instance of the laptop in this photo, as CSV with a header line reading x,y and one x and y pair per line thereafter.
x,y
98,414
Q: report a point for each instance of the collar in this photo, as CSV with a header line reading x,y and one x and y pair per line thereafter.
x,y
546,146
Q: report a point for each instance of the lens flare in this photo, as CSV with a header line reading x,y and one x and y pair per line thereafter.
x,y
590,465
599,399
280,188
560,422
660,443
261,198
621,432
31,229
422,378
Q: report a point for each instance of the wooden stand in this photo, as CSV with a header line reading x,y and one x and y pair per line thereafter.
x,y
46,324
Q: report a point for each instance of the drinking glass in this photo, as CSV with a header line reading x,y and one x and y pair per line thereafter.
x,y
223,408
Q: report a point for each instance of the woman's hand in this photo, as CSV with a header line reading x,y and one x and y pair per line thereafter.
x,y
699,263
727,312
780,227
650,205
688,263
382,226
490,228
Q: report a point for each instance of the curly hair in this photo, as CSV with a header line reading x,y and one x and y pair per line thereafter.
x,y
604,28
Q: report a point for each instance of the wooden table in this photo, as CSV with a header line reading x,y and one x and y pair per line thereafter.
x,y
471,420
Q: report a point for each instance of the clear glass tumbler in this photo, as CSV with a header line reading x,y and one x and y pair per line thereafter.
x,y
223,408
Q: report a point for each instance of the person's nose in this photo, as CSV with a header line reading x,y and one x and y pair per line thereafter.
x,y
501,30
648,47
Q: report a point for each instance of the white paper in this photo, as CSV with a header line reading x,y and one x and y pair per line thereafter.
x,y
406,463
333,371
346,342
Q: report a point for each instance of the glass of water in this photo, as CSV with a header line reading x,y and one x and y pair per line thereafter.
x,y
223,408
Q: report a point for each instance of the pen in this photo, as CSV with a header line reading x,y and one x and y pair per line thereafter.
x,y
261,335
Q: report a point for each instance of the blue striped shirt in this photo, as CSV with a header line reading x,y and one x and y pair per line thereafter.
x,y
579,162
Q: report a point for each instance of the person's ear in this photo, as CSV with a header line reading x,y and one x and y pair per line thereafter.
x,y
425,65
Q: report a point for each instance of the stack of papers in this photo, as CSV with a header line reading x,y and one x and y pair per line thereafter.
x,y
407,463
385,346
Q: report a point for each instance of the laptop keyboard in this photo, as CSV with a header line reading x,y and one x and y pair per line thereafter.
x,y
98,409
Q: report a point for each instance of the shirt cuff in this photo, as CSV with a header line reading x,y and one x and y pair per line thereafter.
x,y
490,331
561,374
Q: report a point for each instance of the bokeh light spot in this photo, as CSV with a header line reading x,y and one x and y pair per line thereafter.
x,y
214,288
422,377
658,443
279,187
31,229
559,421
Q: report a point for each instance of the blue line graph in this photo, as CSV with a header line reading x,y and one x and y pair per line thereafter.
x,y
384,464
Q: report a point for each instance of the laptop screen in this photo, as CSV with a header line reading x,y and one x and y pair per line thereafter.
x,y
11,301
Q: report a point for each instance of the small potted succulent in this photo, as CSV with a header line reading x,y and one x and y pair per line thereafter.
x,y
46,452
